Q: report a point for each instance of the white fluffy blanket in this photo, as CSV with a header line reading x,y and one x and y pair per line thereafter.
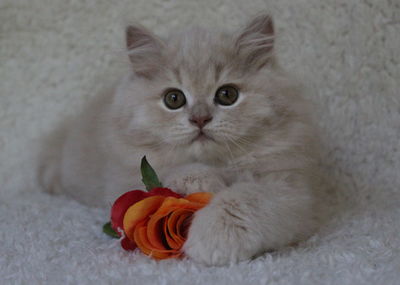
x,y
54,55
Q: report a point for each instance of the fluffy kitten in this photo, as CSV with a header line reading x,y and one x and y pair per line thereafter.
x,y
213,112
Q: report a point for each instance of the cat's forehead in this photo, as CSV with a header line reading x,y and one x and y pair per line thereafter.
x,y
198,57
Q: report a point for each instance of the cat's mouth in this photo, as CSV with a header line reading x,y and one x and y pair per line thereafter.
x,y
201,137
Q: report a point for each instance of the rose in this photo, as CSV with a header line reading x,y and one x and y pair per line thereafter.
x,y
156,221
158,224
128,199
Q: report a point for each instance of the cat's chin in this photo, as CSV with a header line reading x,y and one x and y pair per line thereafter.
x,y
201,146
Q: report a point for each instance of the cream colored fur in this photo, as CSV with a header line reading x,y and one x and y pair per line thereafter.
x,y
261,161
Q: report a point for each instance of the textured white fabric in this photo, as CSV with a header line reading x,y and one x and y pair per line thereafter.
x,y
54,55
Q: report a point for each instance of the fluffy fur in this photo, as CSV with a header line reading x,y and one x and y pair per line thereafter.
x,y
54,55
259,156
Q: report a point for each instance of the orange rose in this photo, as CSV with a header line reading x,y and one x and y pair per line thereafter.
x,y
158,224
155,221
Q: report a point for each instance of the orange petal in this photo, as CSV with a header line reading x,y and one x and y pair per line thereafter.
x,y
200,197
144,245
158,225
170,204
140,211
140,237
182,225
177,211
175,241
174,224
155,232
168,236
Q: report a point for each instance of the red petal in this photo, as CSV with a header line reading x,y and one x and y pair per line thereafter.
x,y
127,244
122,204
164,192
126,200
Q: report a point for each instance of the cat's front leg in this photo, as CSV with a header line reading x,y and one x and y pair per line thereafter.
x,y
195,177
248,219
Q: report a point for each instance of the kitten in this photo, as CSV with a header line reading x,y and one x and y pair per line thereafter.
x,y
213,112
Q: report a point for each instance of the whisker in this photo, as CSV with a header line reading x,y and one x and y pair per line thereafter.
x,y
237,145
232,160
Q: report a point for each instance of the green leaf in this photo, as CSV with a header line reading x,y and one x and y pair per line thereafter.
x,y
108,230
149,176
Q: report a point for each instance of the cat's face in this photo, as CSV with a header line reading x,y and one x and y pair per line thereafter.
x,y
203,92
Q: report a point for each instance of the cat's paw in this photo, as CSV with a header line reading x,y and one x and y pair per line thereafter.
x,y
194,178
219,236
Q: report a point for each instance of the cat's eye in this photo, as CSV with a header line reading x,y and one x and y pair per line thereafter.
x,y
226,95
174,99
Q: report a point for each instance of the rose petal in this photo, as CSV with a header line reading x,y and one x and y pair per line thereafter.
x,y
143,243
176,211
122,204
155,232
158,224
140,211
174,230
127,244
127,199
154,226
170,204
164,192
168,235
182,224
200,197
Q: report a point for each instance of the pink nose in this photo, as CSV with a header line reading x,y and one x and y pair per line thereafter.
x,y
200,121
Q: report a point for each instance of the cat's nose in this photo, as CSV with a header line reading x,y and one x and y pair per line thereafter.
x,y
200,121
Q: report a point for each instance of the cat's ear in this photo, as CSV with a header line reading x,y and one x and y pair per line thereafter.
x,y
255,42
144,50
